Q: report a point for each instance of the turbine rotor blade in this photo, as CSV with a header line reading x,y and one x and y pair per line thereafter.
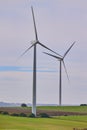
x,y
52,55
34,24
48,48
26,50
68,50
65,69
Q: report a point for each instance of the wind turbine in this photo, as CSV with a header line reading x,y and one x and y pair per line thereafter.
x,y
61,60
34,62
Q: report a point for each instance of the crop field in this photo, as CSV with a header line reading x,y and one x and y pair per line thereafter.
x,y
82,109
71,117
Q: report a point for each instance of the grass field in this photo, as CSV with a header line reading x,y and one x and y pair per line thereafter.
x,y
55,123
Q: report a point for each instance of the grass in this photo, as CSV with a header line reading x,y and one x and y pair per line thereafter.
x,y
55,123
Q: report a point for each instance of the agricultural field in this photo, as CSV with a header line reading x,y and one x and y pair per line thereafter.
x,y
78,109
50,110
61,118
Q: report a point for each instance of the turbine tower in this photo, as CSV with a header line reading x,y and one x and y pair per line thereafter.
x,y
61,60
34,62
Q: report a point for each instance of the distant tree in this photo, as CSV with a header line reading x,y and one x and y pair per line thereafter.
x,y
23,105
83,104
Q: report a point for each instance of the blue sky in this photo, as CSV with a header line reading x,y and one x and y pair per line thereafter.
x,y
59,24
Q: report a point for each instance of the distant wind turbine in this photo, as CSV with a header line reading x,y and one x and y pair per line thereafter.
x,y
34,63
61,60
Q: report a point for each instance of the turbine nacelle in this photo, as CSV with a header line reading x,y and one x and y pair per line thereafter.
x,y
33,42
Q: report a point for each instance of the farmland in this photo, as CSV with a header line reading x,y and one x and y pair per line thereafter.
x,y
51,110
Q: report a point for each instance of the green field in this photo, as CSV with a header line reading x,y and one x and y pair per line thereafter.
x,y
82,109
54,123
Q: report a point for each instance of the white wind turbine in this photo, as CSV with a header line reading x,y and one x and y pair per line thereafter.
x,y
34,63
61,60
